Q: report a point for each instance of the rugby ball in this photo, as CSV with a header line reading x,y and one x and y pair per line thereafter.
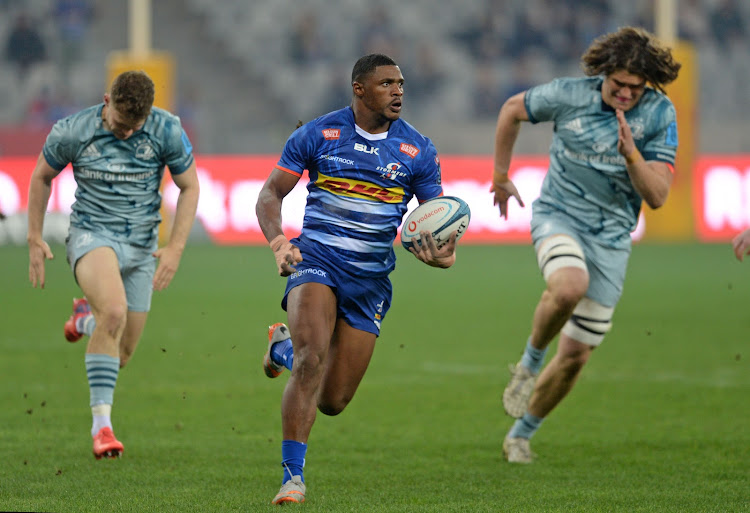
x,y
440,216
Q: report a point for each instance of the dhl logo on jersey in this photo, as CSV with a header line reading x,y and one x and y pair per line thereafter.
x,y
360,189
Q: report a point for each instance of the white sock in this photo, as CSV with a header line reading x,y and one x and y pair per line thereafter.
x,y
101,417
86,324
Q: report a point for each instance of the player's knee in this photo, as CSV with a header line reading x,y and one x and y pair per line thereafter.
x,y
567,297
589,322
308,367
125,354
563,265
112,317
333,407
306,361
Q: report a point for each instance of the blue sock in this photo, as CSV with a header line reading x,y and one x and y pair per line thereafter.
x,y
533,358
102,371
525,427
292,459
282,353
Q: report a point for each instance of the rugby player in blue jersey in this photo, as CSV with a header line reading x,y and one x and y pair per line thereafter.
x,y
613,147
364,164
118,150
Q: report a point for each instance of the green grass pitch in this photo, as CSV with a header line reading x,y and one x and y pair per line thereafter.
x,y
659,421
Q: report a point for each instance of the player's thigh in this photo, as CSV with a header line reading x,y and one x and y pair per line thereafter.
x,y
98,274
138,268
311,312
347,361
607,269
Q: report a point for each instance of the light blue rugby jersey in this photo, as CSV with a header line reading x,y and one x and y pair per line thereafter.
x,y
360,185
587,180
118,181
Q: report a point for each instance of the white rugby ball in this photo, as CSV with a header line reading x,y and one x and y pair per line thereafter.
x,y
440,216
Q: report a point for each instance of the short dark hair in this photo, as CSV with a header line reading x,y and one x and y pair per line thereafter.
x,y
634,50
367,64
133,94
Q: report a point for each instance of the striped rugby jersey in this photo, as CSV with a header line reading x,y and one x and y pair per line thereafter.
x,y
587,180
360,184
118,181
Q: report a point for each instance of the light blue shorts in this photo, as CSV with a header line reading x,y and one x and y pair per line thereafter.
x,y
361,301
606,265
137,264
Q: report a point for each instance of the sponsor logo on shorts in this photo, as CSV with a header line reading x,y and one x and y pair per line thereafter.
x,y
84,240
409,149
331,134
317,272
379,314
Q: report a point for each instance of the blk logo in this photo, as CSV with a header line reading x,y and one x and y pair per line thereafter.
x,y
366,149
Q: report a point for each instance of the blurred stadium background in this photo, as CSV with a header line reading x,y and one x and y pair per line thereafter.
x,y
242,73
656,422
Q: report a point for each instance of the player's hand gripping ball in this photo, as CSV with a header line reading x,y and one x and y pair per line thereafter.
x,y
440,216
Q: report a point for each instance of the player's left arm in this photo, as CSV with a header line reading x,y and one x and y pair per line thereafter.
x,y
651,179
187,204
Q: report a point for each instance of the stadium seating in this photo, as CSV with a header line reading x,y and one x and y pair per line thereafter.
x,y
281,61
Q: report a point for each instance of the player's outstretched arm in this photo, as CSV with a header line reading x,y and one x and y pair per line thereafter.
x,y
509,120
187,203
426,250
39,191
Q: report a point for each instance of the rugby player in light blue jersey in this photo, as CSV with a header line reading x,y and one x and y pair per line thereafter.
x,y
118,150
364,165
741,244
613,147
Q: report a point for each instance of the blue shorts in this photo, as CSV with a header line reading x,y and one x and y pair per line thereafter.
x,y
361,302
137,264
606,266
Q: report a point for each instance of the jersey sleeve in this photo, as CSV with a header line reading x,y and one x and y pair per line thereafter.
x,y
427,175
298,150
662,146
178,150
546,102
61,145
